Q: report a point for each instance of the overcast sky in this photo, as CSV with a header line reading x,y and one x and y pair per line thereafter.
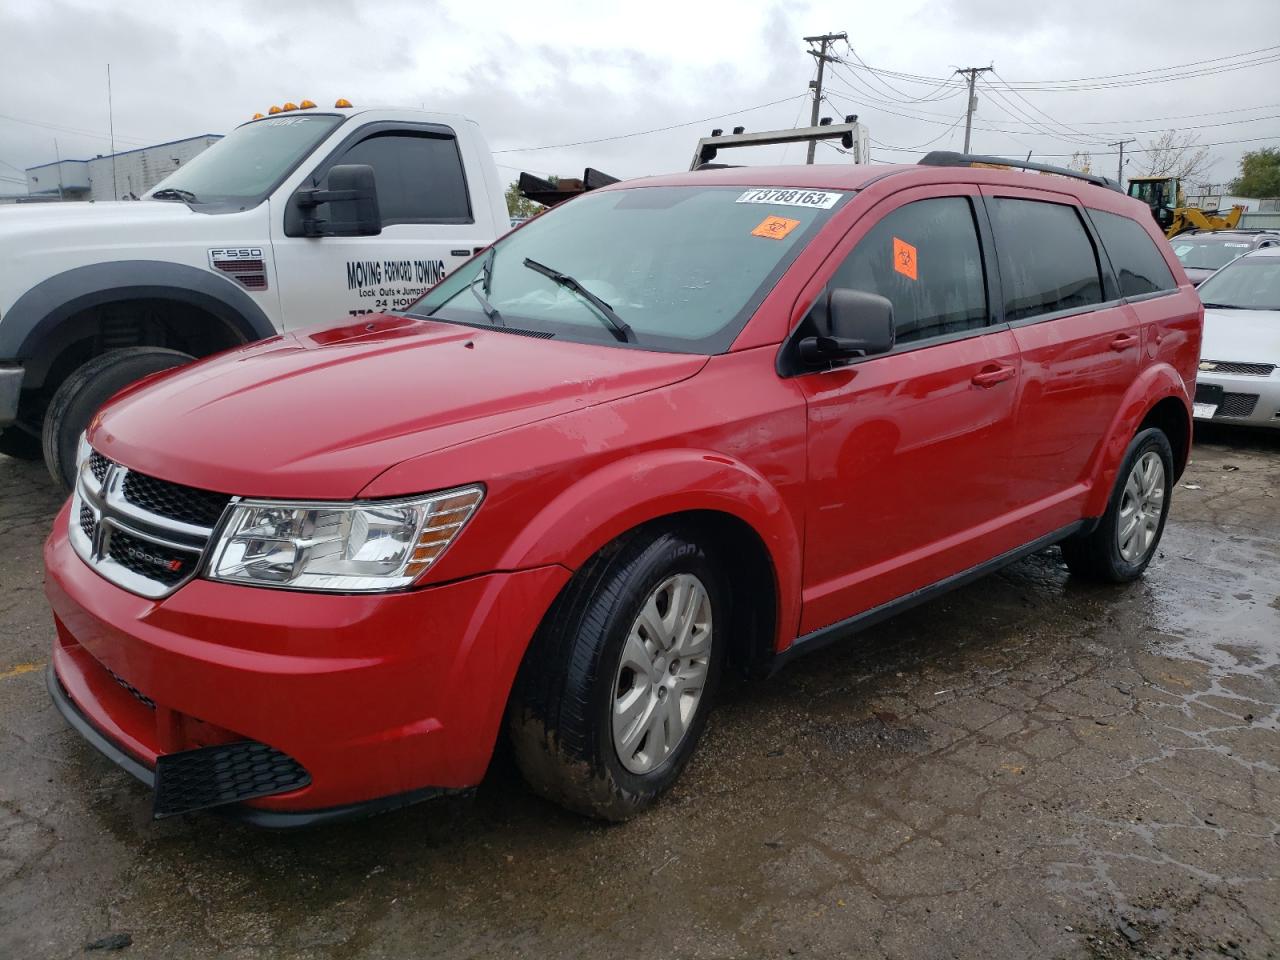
x,y
546,74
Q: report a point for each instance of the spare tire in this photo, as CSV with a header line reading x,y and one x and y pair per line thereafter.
x,y
88,388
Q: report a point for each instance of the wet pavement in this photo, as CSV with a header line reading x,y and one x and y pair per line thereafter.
x,y
1027,767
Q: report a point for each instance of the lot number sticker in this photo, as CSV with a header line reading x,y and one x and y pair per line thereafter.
x,y
817,199
775,228
904,258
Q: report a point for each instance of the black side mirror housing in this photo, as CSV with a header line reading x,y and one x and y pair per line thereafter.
x,y
860,324
352,196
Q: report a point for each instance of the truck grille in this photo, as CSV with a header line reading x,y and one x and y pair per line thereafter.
x,y
1240,369
144,534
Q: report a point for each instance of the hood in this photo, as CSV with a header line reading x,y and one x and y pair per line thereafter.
x,y
1243,336
28,218
320,414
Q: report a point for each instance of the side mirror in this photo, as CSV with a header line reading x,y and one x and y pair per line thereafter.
x,y
860,325
352,196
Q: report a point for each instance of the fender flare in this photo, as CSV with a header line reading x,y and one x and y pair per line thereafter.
x,y
37,313
626,493
1155,383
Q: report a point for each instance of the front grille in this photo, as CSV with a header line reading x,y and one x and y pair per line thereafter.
x,y
213,776
1237,404
87,522
1242,369
138,695
200,508
141,533
99,465
149,560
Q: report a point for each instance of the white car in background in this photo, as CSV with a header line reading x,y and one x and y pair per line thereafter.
x,y
1239,376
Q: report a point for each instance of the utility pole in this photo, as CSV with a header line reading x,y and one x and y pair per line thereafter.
x,y
821,53
111,122
972,74
1120,165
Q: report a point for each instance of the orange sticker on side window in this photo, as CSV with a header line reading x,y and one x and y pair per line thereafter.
x,y
775,228
904,258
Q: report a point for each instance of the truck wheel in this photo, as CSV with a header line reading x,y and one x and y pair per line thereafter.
x,y
1119,548
88,388
614,692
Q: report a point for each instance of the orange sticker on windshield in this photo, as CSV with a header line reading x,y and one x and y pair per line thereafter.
x,y
775,228
904,258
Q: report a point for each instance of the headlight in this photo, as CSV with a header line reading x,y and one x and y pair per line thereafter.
x,y
345,547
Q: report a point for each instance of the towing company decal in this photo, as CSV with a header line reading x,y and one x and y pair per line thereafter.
x,y
817,199
392,284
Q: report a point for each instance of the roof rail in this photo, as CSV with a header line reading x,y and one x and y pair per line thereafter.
x,y
949,158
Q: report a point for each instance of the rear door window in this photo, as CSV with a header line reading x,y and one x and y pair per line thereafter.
x,y
419,177
1138,264
925,258
1047,261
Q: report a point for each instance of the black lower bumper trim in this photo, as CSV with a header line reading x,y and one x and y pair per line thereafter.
x,y
268,819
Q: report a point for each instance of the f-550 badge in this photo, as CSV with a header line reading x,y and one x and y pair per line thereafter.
x,y
235,253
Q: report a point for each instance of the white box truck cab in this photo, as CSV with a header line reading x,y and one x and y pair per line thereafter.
x,y
298,217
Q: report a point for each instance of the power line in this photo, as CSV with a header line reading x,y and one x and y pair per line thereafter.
x,y
92,134
641,133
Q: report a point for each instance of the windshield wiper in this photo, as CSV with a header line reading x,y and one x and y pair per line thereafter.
x,y
1222,306
173,193
614,322
485,279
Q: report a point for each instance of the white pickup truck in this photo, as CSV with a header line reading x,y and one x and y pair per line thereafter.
x,y
296,218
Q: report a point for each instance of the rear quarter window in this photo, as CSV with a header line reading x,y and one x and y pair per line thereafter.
x,y
1137,261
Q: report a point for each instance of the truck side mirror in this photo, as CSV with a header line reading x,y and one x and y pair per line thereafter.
x,y
860,325
352,196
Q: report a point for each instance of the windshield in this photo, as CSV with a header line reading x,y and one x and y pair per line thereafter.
x,y
1252,283
1209,253
682,267
1150,192
246,164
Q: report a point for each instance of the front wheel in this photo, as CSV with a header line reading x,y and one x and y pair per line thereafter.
x,y
88,387
615,689
1119,548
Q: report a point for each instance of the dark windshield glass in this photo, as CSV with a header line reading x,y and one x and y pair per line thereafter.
x,y
247,163
1208,253
684,267
1249,284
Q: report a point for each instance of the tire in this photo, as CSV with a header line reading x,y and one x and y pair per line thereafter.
x,y
580,674
88,387
18,443
1105,554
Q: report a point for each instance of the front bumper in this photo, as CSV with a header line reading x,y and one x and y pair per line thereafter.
x,y
383,699
1238,399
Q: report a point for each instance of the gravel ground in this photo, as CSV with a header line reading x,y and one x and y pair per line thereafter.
x,y
1028,767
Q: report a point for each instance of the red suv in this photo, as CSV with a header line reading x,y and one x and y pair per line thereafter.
x,y
672,427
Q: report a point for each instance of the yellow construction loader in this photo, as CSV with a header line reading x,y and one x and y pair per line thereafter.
x,y
1164,196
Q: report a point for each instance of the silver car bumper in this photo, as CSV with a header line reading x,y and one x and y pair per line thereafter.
x,y
1236,398
10,389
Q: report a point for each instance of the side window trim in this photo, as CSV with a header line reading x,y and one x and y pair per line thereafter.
x,y
291,219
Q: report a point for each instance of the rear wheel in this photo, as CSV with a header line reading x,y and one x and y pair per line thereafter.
x,y
78,398
1119,548
615,690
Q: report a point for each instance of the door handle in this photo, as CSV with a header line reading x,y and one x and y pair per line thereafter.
x,y
992,374
1123,341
